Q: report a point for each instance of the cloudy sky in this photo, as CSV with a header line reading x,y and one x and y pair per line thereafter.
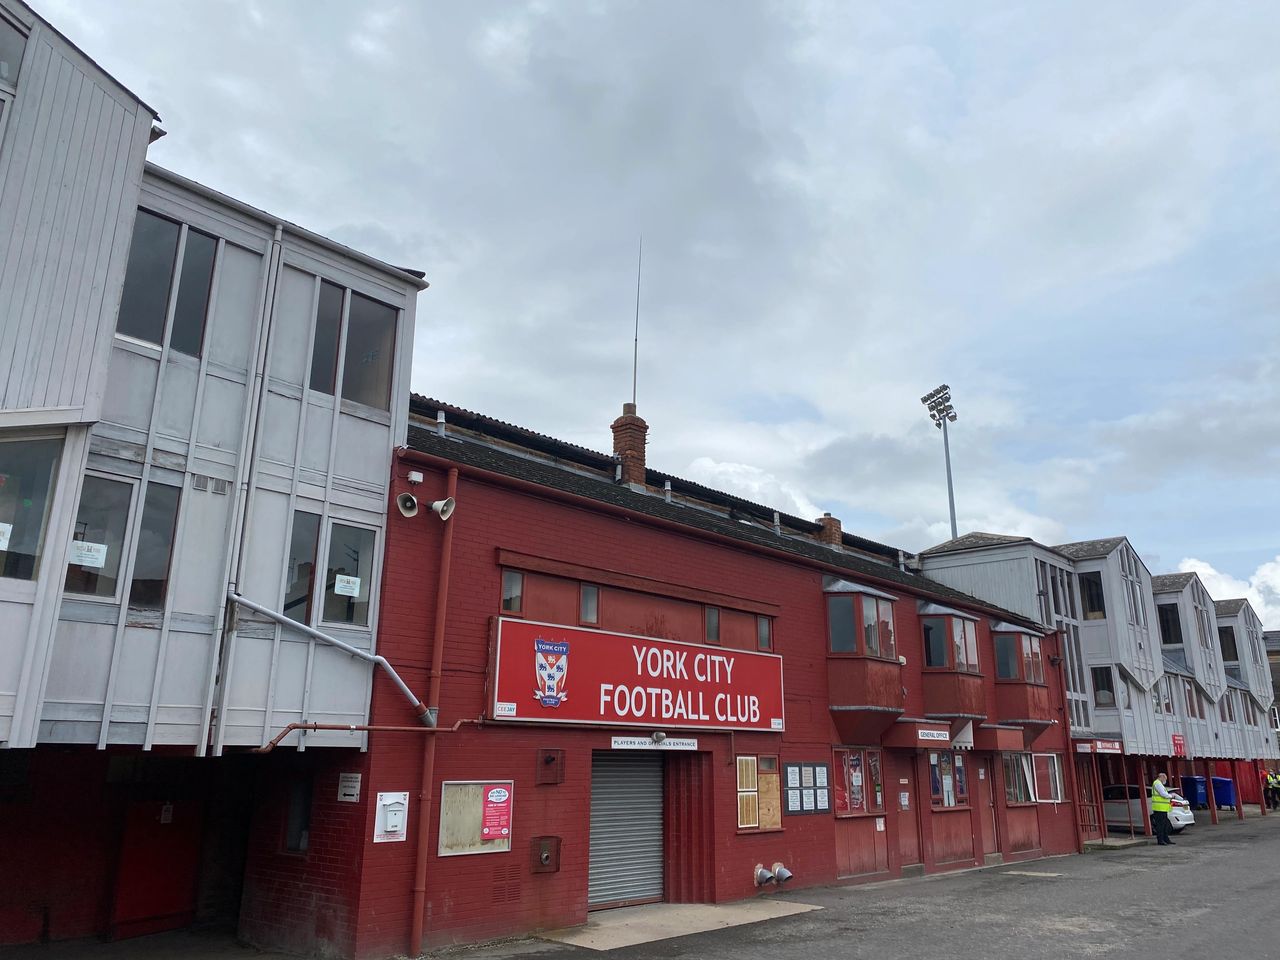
x,y
1067,212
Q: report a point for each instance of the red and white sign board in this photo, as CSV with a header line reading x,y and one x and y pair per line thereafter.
x,y
1108,746
1179,745
495,814
549,673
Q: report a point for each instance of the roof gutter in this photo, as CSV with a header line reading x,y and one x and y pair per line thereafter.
x,y
292,229
550,493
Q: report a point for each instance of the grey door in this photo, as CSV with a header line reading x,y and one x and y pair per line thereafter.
x,y
626,828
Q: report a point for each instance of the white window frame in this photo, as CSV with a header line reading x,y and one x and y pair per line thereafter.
x,y
126,545
175,278
1021,761
9,89
1057,783
14,588
375,573
350,285
6,107
316,604
752,790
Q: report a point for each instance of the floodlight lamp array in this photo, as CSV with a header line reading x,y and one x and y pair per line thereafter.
x,y
938,402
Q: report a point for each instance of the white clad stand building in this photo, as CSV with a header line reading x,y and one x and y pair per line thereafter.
x,y
1154,681
198,399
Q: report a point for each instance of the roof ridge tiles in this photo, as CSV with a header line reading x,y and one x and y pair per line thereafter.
x,y
548,474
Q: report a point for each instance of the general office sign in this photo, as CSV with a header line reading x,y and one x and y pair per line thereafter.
x,y
548,673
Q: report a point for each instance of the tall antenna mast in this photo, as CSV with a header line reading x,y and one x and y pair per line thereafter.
x,y
635,347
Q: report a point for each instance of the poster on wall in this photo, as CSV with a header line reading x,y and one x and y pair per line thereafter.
x,y
495,818
807,790
549,673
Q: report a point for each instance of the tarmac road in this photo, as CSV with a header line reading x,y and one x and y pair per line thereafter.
x,y
1211,896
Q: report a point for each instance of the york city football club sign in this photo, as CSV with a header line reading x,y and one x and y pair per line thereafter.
x,y
558,674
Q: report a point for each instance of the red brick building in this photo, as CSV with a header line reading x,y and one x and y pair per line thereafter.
x,y
897,750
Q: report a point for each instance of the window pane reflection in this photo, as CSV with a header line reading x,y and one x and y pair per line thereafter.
x,y
349,581
97,545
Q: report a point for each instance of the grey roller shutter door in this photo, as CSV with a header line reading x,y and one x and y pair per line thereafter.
x,y
626,828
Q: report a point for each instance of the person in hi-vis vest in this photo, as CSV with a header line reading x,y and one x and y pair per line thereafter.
x,y
1161,804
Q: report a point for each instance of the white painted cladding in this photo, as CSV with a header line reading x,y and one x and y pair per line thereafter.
x,y
247,442
71,161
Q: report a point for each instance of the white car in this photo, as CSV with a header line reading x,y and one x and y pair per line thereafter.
x,y
1113,808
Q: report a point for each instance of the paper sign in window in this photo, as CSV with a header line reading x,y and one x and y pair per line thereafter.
x,y
86,554
5,530
345,586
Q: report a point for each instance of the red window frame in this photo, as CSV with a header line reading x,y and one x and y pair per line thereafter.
x,y
858,786
1029,658
884,637
954,760
972,662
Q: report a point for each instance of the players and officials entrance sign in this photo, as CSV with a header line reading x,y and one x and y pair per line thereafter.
x,y
557,674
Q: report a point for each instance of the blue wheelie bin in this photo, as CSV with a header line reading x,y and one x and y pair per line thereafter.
x,y
1224,792
1195,792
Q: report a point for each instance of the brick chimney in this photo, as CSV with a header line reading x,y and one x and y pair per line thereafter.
x,y
830,534
629,438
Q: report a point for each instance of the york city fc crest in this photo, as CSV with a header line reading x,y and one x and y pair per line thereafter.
x,y
551,665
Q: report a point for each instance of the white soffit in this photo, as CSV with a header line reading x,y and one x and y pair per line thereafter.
x,y
928,609
848,586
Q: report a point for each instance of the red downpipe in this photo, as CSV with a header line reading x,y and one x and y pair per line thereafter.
x,y
429,750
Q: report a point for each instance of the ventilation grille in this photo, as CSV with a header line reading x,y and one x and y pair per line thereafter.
x,y
506,884
199,482
221,487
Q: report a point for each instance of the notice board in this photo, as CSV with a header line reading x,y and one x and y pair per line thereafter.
x,y
476,816
806,788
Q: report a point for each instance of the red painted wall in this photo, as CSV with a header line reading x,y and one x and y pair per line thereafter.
x,y
59,832
487,895
305,901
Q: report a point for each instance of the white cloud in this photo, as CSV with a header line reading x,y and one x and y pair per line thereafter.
x,y
1262,589
1065,212
752,483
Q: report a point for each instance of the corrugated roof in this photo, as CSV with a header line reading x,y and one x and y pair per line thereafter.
x,y
1271,639
556,477
1236,684
1173,666
1089,549
1229,608
594,459
1170,582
